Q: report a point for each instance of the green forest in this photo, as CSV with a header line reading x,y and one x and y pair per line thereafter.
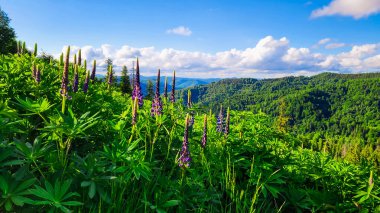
x,y
71,142
334,113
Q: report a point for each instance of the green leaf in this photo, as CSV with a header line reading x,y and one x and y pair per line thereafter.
x,y
91,192
171,203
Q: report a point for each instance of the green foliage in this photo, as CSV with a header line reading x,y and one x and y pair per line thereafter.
x,y
7,35
90,158
126,87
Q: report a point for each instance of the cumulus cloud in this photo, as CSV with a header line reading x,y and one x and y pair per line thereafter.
x,y
354,8
181,30
269,58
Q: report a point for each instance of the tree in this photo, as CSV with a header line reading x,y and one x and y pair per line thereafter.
x,y
125,82
8,42
150,92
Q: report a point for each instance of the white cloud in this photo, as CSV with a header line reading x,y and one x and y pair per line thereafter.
x,y
354,8
324,41
181,30
334,45
269,58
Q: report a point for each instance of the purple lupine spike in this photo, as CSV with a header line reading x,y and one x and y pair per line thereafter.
x,y
65,75
76,79
79,57
172,96
184,157
34,70
219,122
166,88
204,137
191,120
227,128
137,88
93,72
38,75
85,85
157,103
189,99
134,110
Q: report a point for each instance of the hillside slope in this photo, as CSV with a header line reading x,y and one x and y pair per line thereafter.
x,y
338,104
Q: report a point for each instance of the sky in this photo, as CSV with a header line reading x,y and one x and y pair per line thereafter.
x,y
208,38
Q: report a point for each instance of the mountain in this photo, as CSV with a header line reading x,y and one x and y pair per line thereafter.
x,y
327,104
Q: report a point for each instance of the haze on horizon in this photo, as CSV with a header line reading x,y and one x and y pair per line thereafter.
x,y
208,39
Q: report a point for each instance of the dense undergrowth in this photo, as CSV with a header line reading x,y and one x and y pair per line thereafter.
x,y
90,158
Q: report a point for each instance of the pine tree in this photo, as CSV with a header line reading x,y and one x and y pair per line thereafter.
x,y
125,81
150,92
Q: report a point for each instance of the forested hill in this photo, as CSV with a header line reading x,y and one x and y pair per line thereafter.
x,y
339,104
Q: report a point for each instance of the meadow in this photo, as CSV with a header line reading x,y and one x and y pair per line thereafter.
x,y
71,142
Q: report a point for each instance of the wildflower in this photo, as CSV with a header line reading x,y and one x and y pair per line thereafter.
x,y
166,88
219,122
189,99
204,137
172,97
76,79
35,50
134,111
75,59
227,127
156,103
85,85
34,70
93,72
80,57
184,158
191,120
61,59
137,88
65,75
38,75
110,76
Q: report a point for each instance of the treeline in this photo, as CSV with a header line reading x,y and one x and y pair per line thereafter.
x,y
331,112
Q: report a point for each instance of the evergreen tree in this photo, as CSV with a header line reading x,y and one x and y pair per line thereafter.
x,y
125,81
8,43
150,92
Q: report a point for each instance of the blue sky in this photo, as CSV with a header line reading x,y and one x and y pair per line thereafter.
x,y
270,38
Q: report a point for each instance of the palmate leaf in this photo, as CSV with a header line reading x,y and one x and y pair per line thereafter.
x,y
35,107
55,196
13,192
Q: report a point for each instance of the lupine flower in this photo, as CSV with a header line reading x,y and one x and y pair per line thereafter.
x,y
80,57
227,128
156,103
61,59
172,96
19,47
65,75
219,122
93,72
75,59
184,157
34,70
166,88
85,66
134,110
35,50
191,120
85,85
204,137
110,76
76,79
38,75
137,88
189,99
